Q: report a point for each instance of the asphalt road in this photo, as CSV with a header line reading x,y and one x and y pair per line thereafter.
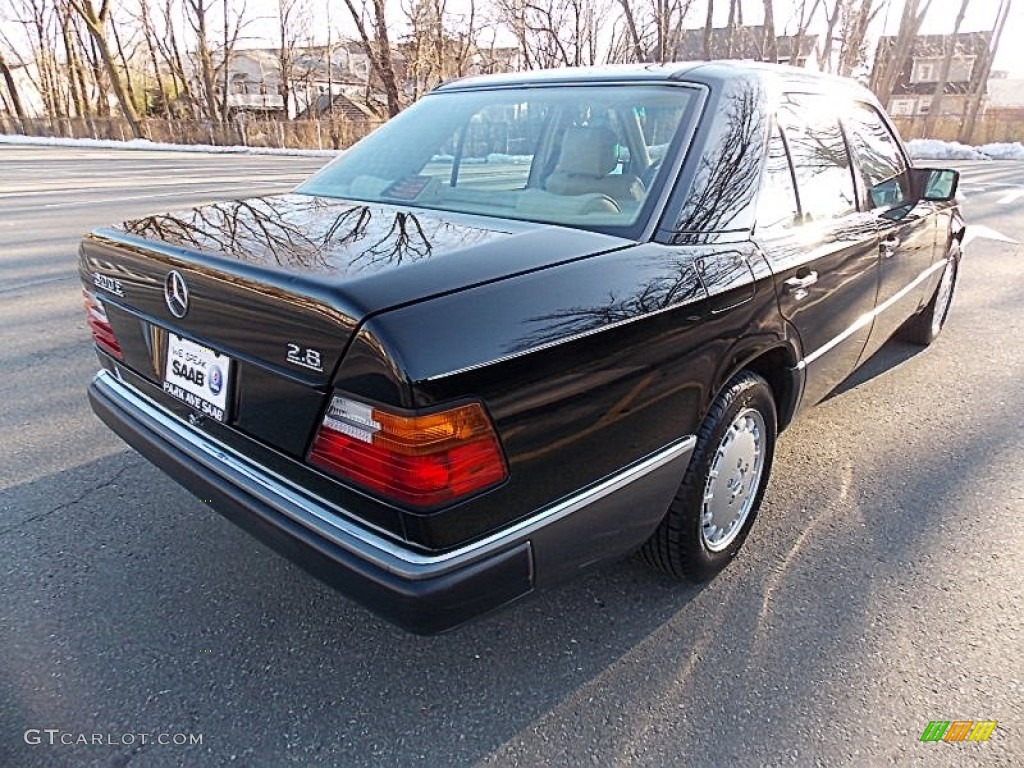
x,y
882,587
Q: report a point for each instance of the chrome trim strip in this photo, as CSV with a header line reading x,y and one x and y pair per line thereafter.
x,y
868,317
313,512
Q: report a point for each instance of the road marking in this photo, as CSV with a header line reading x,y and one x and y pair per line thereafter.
x,y
980,231
1009,197
118,184
180,193
34,283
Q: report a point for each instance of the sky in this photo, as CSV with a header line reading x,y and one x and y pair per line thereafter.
x,y
980,16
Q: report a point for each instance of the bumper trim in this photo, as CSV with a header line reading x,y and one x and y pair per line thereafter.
x,y
314,513
423,593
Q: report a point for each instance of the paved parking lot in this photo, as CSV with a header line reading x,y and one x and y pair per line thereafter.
x,y
882,587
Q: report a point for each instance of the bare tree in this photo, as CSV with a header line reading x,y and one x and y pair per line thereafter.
x,y
562,33
37,19
292,23
853,29
949,48
197,13
96,22
669,19
884,78
708,26
12,88
77,88
125,55
440,44
633,30
378,49
832,21
231,33
770,47
804,18
145,19
735,18
981,78
171,52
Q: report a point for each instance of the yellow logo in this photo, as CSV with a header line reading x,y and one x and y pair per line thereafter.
x,y
958,730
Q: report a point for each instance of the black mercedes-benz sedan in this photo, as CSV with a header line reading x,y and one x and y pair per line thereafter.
x,y
534,322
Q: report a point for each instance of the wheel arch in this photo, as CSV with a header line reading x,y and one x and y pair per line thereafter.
x,y
777,365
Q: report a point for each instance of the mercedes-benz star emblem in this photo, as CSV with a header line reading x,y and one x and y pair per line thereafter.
x,y
176,293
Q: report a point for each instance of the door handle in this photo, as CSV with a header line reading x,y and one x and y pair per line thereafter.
x,y
803,282
889,246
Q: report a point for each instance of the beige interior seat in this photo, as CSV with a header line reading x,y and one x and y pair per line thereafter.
x,y
588,156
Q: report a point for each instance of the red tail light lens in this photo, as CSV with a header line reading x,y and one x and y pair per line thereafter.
x,y
422,461
96,316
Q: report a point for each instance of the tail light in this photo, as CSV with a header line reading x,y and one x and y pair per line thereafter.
x,y
419,460
96,316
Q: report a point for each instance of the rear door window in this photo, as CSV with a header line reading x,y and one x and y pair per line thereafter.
x,y
777,206
821,163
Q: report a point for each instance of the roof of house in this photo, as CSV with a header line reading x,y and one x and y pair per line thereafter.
x,y
745,43
343,107
965,43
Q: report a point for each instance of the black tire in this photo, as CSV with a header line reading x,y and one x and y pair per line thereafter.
x,y
924,327
678,546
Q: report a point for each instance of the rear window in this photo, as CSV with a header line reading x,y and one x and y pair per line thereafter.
x,y
586,156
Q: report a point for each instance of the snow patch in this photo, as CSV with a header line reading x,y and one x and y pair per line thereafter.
x,y
1003,150
934,149
50,141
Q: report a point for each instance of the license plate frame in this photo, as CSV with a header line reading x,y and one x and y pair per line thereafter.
x,y
198,376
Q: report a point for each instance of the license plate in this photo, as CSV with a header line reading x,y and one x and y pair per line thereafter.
x,y
198,376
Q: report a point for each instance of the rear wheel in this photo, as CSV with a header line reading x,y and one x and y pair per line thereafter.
x,y
924,327
721,492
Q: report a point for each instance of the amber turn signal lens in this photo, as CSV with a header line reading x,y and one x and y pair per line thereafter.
x,y
421,460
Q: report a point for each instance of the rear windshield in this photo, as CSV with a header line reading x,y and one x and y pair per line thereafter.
x,y
584,156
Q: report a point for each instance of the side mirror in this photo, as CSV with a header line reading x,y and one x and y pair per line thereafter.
x,y
935,184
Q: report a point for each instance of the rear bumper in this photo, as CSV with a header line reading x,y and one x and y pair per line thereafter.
x,y
421,592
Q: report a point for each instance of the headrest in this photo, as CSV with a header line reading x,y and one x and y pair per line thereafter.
x,y
588,151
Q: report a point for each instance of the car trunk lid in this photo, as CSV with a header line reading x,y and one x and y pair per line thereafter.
x,y
278,285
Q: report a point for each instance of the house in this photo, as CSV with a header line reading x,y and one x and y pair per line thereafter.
x,y
255,82
1005,98
490,61
338,80
919,73
744,43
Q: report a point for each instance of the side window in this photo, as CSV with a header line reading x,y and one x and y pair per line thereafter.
x,y
880,161
820,160
777,207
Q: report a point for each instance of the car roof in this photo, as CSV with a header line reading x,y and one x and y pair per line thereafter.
x,y
706,72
